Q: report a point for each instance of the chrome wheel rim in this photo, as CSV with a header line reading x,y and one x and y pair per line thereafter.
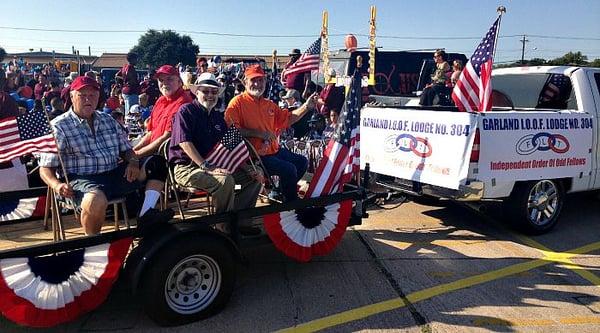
x,y
193,284
542,203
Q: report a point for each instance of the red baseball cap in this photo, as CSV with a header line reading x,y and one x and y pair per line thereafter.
x,y
83,81
254,71
167,70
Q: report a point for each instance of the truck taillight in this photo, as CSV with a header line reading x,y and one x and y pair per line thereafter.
x,y
475,149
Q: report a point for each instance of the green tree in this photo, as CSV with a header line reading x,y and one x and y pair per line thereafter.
x,y
2,54
156,48
571,58
595,63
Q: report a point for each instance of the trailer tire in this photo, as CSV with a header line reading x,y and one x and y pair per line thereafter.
x,y
189,281
534,207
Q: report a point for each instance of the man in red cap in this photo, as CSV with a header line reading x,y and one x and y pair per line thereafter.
x,y
261,121
91,145
161,119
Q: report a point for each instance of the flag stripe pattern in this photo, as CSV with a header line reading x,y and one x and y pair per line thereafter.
x,y
230,152
308,61
342,156
473,89
25,134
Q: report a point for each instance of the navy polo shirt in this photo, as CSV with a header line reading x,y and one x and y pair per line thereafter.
x,y
193,123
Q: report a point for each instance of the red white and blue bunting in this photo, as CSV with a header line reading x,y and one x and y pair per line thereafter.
x,y
305,232
53,289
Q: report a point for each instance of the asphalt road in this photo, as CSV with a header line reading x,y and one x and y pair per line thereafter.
x,y
422,267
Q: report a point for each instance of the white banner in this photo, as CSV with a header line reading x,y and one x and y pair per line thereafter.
x,y
425,146
521,146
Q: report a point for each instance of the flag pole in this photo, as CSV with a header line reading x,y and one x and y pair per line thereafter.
x,y
325,47
372,45
500,10
60,160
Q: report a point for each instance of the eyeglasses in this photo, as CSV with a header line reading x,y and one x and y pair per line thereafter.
x,y
209,91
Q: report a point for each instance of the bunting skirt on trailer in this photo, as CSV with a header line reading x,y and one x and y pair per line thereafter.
x,y
305,232
49,290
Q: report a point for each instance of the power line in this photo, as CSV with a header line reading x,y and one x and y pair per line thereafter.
x,y
212,33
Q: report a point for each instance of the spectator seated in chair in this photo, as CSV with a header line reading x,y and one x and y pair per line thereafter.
x,y
437,87
260,120
197,128
90,144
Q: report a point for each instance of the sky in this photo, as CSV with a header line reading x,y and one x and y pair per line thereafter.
x,y
552,27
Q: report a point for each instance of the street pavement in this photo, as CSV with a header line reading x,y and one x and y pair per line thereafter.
x,y
426,266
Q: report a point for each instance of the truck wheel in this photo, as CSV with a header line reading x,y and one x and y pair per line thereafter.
x,y
534,207
189,281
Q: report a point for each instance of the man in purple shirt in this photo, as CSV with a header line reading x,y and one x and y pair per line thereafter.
x,y
197,128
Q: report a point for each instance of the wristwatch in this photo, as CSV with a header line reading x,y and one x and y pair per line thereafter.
x,y
206,165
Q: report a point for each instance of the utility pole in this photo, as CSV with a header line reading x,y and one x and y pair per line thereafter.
x,y
90,51
523,41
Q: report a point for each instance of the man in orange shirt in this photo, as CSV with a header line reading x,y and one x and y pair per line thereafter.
x,y
161,118
261,121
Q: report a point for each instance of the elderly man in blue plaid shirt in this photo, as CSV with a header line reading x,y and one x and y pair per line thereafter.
x,y
92,145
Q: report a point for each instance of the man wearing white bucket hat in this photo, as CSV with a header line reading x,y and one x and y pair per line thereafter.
x,y
197,129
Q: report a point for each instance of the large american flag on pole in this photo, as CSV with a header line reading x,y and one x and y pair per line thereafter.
x,y
308,61
342,156
473,89
230,152
25,134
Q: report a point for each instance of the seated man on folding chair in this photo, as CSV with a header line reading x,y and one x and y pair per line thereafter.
x,y
197,129
90,144
261,121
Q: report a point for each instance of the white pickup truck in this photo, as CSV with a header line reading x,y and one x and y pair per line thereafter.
x,y
539,142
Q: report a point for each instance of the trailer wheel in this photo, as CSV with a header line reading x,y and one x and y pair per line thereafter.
x,y
534,207
189,281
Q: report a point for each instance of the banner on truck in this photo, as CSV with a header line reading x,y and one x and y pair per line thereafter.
x,y
517,146
424,146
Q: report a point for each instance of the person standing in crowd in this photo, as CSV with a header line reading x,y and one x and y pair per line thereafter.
x,y
457,67
41,87
8,105
91,143
197,128
54,92
33,81
294,80
261,120
150,87
131,85
201,65
64,93
57,108
331,97
437,87
161,119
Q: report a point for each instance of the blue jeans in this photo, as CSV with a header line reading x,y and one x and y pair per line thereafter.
x,y
289,167
130,100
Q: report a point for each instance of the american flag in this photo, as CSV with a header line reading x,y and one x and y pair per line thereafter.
x,y
25,134
309,60
275,86
230,152
473,89
554,86
342,155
